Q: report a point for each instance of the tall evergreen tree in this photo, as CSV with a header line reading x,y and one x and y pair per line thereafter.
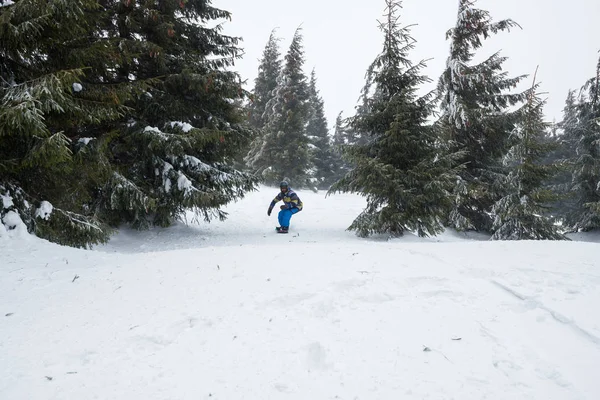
x,y
318,133
521,214
564,153
586,174
266,81
362,110
284,153
339,131
339,142
398,170
475,114
49,173
174,149
264,90
130,115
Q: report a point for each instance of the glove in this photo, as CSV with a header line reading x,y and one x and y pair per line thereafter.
x,y
282,207
269,212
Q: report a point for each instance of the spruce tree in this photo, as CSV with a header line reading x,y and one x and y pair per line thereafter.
x,y
266,81
521,214
284,153
174,149
339,142
339,131
264,90
398,169
362,110
317,131
586,173
118,112
49,170
476,115
564,153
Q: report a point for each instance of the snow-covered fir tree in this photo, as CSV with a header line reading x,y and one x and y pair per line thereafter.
x,y
476,114
339,131
351,134
175,149
522,212
321,150
586,171
264,90
339,142
398,170
563,155
50,171
266,82
118,112
284,153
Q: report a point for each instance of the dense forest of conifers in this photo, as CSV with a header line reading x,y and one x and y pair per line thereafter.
x,y
120,112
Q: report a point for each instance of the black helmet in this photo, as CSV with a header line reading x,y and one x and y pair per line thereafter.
x,y
283,184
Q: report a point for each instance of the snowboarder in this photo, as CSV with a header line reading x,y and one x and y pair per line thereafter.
x,y
291,205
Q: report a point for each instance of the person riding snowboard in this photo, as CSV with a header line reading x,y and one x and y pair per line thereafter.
x,y
291,205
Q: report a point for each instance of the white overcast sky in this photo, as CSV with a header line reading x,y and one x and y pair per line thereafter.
x,y
341,39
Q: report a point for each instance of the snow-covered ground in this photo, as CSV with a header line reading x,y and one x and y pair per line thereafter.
x,y
232,310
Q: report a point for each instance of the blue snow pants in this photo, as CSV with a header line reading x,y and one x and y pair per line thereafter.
x,y
285,215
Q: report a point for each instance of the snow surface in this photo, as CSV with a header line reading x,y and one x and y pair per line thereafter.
x,y
233,310
77,87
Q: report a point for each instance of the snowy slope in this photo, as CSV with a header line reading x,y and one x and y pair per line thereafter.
x,y
233,310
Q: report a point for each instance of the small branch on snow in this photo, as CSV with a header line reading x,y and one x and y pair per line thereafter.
x,y
75,278
444,356
427,349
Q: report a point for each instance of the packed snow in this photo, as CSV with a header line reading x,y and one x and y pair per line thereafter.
x,y
232,310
